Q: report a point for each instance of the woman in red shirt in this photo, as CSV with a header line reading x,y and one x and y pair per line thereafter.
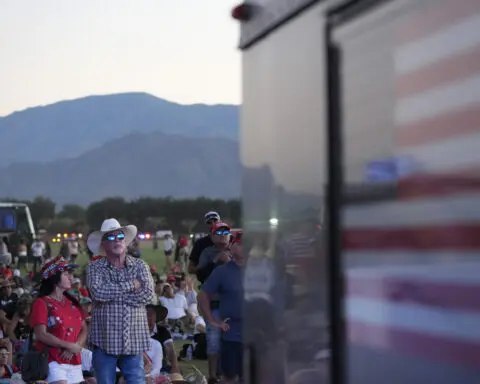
x,y
59,323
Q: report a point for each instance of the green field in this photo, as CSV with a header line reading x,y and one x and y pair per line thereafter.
x,y
152,257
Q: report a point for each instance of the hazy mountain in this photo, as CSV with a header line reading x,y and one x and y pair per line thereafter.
x,y
139,164
70,128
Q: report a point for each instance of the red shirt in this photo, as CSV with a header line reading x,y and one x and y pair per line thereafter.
x,y
6,272
183,242
63,320
7,373
84,292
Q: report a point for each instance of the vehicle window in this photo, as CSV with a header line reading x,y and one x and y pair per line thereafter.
x,y
410,102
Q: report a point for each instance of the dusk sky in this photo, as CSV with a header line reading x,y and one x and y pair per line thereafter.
x,y
180,50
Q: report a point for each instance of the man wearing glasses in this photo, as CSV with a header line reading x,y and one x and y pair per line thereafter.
x,y
216,254
121,286
201,244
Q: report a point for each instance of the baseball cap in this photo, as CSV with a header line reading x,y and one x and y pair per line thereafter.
x,y
210,216
219,225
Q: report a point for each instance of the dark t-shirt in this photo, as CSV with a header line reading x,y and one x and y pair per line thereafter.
x,y
22,330
163,335
9,305
198,248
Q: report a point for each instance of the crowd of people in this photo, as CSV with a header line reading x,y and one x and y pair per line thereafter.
x,y
117,321
19,255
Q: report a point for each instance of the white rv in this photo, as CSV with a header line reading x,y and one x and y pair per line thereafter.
x,y
368,111
16,218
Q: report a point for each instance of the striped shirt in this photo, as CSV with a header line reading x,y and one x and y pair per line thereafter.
x,y
119,319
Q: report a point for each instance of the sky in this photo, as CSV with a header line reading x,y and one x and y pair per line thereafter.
x,y
181,50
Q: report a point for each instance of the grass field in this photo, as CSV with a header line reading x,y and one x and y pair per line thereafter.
x,y
152,257
157,258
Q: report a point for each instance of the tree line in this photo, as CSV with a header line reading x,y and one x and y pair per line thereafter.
x,y
147,213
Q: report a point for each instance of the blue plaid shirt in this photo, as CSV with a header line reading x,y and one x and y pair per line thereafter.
x,y
119,319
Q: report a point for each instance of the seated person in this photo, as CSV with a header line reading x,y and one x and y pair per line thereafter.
x,y
7,369
155,274
7,296
200,339
200,325
77,290
155,354
86,304
176,305
156,315
18,329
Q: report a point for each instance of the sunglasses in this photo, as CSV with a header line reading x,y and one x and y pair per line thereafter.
x,y
223,232
114,236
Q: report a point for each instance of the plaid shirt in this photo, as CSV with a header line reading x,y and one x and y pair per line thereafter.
x,y
119,319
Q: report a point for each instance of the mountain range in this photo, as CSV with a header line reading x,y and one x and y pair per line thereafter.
x,y
129,145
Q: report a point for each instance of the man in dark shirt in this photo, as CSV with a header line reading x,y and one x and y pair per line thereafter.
x,y
209,219
7,296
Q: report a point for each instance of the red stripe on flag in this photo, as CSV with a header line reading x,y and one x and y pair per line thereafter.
x,y
448,70
432,18
438,127
414,291
438,348
431,185
448,237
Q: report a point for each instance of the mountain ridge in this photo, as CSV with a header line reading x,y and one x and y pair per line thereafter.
x,y
100,95
69,128
138,164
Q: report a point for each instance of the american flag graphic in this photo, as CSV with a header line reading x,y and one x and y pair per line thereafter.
x,y
422,295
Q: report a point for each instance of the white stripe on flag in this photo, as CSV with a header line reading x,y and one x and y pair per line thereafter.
x,y
457,272
433,321
439,100
398,214
378,261
452,154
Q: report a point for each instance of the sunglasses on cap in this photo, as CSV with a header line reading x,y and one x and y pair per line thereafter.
x,y
114,236
223,232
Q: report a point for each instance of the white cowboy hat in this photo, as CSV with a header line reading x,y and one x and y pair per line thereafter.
x,y
94,239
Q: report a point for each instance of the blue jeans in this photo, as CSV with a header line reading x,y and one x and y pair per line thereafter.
x,y
214,335
105,366
214,339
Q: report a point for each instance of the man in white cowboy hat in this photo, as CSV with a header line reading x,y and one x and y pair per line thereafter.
x,y
121,286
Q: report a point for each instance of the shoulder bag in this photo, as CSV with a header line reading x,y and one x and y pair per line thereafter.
x,y
35,363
